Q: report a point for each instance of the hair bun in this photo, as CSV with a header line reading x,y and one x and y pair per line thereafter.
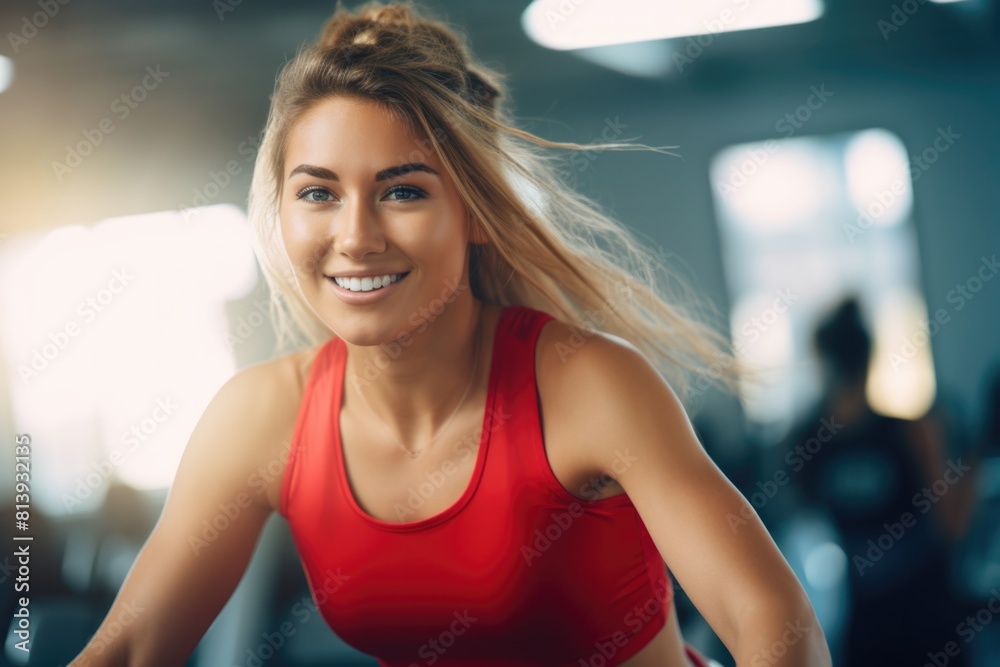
x,y
375,33
481,91
390,15
364,27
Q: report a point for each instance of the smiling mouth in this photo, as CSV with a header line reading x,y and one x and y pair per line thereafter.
x,y
368,283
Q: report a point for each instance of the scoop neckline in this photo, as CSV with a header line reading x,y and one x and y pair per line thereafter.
x,y
486,431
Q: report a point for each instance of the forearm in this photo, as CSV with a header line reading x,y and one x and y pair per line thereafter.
x,y
97,655
782,637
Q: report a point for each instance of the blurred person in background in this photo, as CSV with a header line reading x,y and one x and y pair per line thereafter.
x,y
898,496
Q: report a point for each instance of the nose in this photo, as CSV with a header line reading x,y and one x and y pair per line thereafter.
x,y
357,229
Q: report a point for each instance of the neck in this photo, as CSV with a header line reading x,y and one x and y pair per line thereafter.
x,y
414,384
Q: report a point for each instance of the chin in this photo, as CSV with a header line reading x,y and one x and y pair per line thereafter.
x,y
364,329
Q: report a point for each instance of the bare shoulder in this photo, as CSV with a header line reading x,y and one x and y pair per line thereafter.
x,y
279,380
267,396
567,354
574,369
289,372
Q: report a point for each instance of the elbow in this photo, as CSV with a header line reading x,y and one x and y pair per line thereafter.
x,y
816,649
99,653
784,634
88,658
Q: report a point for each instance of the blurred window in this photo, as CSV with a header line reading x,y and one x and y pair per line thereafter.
x,y
114,339
804,221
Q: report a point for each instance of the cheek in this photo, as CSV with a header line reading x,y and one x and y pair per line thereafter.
x,y
441,236
303,251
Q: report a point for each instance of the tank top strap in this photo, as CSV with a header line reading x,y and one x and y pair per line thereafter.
x,y
517,414
518,410
518,340
319,391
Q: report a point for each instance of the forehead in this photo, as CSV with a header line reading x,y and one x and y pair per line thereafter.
x,y
348,133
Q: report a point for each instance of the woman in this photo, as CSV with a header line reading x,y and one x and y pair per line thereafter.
x,y
898,499
394,206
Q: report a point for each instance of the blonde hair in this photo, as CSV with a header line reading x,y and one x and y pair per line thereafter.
x,y
549,247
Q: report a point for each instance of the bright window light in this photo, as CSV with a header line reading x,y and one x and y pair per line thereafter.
x,y
793,245
644,59
766,335
878,178
6,73
113,338
579,24
776,186
901,381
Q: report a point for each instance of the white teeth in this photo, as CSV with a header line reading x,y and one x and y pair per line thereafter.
x,y
368,283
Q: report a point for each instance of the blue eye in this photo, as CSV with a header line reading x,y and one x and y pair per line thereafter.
x,y
305,192
411,192
403,192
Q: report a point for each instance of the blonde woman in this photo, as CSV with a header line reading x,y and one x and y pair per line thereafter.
x,y
483,458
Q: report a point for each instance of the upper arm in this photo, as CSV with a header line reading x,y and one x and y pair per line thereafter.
x,y
706,531
209,526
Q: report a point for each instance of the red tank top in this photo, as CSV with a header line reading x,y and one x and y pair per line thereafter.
x,y
517,571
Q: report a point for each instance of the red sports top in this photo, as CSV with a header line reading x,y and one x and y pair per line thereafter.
x,y
518,571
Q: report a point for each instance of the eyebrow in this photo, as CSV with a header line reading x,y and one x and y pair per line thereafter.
x,y
391,172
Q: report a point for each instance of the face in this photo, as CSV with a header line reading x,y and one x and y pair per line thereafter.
x,y
361,195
